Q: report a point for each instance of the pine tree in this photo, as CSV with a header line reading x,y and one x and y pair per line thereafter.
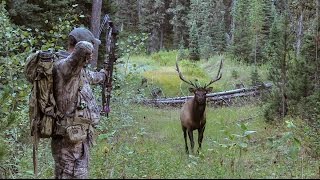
x,y
151,21
194,23
269,12
241,47
179,10
33,13
193,43
127,15
212,30
279,54
219,27
205,40
256,24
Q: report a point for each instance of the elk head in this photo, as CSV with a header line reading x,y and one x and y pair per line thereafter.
x,y
200,92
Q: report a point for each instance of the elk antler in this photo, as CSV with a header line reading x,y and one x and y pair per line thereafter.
x,y
181,76
219,75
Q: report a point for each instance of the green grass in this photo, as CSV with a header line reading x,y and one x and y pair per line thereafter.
x,y
160,70
154,148
147,142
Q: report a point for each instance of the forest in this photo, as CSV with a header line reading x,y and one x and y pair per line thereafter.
x,y
273,135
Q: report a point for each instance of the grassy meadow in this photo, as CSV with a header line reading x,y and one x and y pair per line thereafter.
x,y
138,141
153,147
237,143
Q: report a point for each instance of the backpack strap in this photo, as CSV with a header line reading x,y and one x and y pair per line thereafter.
x,y
31,65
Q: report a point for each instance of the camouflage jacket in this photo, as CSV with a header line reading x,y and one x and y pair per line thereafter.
x,y
71,87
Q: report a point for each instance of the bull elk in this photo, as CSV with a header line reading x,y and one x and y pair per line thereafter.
x,y
193,112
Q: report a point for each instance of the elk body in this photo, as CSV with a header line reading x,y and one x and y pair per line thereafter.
x,y
193,112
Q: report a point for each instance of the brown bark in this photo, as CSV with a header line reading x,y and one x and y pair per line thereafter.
x,y
95,24
228,15
317,44
299,34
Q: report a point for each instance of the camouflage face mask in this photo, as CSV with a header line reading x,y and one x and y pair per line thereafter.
x,y
83,51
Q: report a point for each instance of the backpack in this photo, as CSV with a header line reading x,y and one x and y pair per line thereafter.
x,y
45,118
38,71
42,105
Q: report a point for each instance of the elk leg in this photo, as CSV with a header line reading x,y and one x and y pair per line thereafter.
x,y
185,138
191,140
200,137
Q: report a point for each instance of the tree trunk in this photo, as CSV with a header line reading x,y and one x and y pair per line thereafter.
x,y
234,2
317,79
255,52
95,25
284,67
139,9
299,34
161,38
153,41
228,18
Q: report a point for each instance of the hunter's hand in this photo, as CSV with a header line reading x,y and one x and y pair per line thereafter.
x,y
105,73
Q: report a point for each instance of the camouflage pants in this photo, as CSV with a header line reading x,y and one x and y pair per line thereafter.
x,y
71,160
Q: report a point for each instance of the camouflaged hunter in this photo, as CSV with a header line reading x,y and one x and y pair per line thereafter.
x,y
69,110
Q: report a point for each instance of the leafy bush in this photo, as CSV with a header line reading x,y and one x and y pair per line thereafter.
x,y
255,78
132,44
272,107
308,108
14,127
14,89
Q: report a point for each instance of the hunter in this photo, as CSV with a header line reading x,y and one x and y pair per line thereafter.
x,y
75,102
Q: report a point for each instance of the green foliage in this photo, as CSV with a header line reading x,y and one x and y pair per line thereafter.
x,y
194,53
171,82
153,147
150,21
191,69
132,44
300,86
15,130
206,29
272,106
182,52
205,37
308,109
241,47
255,78
235,74
238,141
280,54
256,19
125,14
56,38
34,14
164,58
179,10
287,145
142,142
13,93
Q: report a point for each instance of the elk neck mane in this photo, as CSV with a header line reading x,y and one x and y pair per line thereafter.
x,y
198,109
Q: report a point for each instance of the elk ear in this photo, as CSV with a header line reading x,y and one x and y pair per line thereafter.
x,y
209,89
192,90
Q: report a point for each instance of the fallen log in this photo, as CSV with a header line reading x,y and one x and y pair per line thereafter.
x,y
226,95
